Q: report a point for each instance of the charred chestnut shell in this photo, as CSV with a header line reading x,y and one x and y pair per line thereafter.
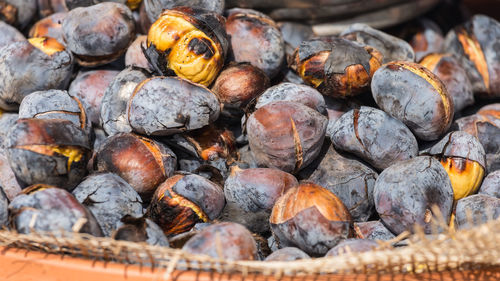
x,y
189,43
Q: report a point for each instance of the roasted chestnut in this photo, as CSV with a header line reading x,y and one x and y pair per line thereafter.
x,y
134,55
19,13
287,254
184,200
286,135
48,151
89,87
336,67
7,121
49,7
8,182
189,43
255,38
426,38
142,162
293,92
475,45
475,210
50,26
406,192
293,34
311,218
353,245
154,8
170,105
375,136
464,159
491,185
42,61
98,34
251,194
9,34
415,96
374,230
391,48
113,110
227,240
55,104
45,208
140,230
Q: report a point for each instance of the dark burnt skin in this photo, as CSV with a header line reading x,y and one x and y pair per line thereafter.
x,y
142,162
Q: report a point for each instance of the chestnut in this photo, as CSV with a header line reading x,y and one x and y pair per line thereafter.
x,y
42,61
475,210
287,254
251,194
336,67
349,179
227,240
8,181
374,136
353,245
50,26
293,92
415,96
475,45
45,208
48,151
374,230
113,111
426,38
491,184
89,87
140,230
109,198
142,162
134,55
170,105
49,7
464,159
238,84
311,218
98,34
154,8
19,13
255,38
189,43
55,104
453,76
405,193
184,200
286,135
7,121
391,48
9,34
293,34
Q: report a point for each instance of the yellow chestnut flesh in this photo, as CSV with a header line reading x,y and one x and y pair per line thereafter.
x,y
465,175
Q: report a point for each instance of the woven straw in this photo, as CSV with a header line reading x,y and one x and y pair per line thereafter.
x,y
471,249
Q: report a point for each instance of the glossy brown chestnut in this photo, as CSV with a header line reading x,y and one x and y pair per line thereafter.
x,y
184,200
142,162
311,218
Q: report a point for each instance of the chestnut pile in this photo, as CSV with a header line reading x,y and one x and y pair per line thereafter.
x,y
222,132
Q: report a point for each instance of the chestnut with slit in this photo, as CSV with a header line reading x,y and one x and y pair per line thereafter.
x,y
374,136
140,230
450,72
257,39
142,162
226,240
43,61
187,42
349,179
109,198
170,105
9,34
311,218
98,34
391,48
184,200
293,92
425,37
44,208
113,111
55,104
251,194
374,230
286,135
475,44
475,210
414,95
336,67
50,26
464,159
406,192
48,151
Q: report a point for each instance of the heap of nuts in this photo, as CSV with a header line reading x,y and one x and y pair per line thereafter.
x,y
225,133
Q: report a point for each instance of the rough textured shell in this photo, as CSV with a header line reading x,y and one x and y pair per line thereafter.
x,y
460,144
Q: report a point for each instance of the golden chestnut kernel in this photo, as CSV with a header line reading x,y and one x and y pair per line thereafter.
x,y
465,175
72,153
134,4
473,51
47,45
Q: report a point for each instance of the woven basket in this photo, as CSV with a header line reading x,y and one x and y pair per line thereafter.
x,y
472,254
